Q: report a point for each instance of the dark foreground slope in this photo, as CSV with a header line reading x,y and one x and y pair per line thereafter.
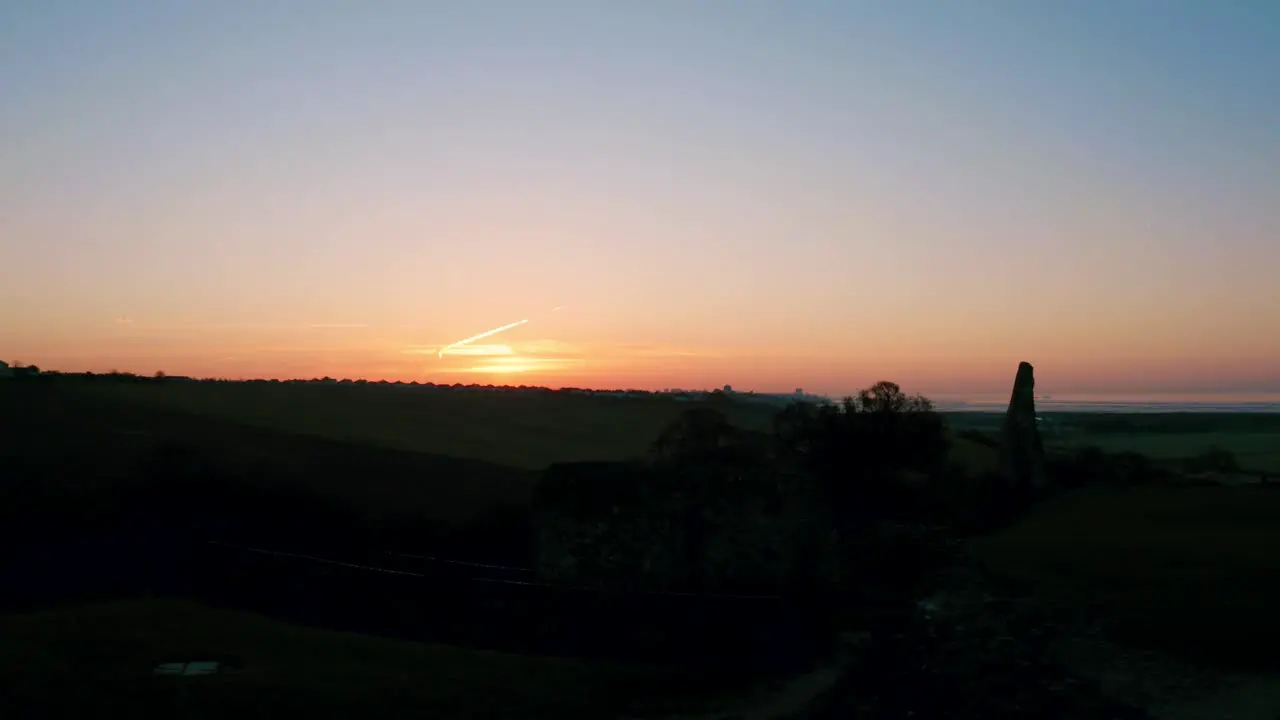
x,y
70,459
106,501
1189,570
94,660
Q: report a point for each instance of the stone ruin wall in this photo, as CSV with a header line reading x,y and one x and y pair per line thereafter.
x,y
711,527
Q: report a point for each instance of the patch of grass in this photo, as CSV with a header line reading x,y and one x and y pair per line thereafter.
x,y
1187,570
99,659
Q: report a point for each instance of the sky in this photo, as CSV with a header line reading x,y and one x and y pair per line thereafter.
x,y
670,193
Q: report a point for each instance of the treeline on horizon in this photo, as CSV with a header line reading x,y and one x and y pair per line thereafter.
x,y
21,371
1099,422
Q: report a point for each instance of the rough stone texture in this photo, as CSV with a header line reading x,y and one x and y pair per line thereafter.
x,y
716,527
608,525
762,528
1020,443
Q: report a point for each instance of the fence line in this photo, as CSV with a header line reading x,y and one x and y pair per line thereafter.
x,y
313,558
460,562
663,593
525,583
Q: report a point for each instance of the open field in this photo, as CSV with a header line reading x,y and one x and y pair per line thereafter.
x,y
372,450
450,454
1187,570
1258,451
1253,438
90,660
58,437
527,430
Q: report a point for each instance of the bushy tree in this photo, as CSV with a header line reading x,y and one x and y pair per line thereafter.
x,y
864,445
887,397
697,434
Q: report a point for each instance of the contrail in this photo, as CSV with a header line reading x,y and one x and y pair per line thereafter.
x,y
481,336
487,333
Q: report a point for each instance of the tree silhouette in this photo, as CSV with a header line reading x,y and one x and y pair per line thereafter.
x,y
24,371
887,397
697,434
862,446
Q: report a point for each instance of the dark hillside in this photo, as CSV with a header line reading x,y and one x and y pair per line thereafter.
x,y
75,459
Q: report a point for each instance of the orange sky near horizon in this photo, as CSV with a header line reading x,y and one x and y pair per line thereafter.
x,y
940,359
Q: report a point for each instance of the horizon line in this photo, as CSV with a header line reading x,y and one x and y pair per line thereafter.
x,y
983,399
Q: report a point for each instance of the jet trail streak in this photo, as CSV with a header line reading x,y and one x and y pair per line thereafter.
x,y
481,336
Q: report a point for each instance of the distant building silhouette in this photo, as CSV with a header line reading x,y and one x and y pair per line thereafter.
x,y
5,370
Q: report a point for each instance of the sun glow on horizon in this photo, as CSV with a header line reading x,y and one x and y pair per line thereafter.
x,y
501,369
513,364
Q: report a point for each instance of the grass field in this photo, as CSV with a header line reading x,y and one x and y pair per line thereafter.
x,y
95,660
1189,570
1254,450
69,437
521,430
1253,438
527,430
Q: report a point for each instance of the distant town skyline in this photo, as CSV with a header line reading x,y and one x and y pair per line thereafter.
x,y
767,195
